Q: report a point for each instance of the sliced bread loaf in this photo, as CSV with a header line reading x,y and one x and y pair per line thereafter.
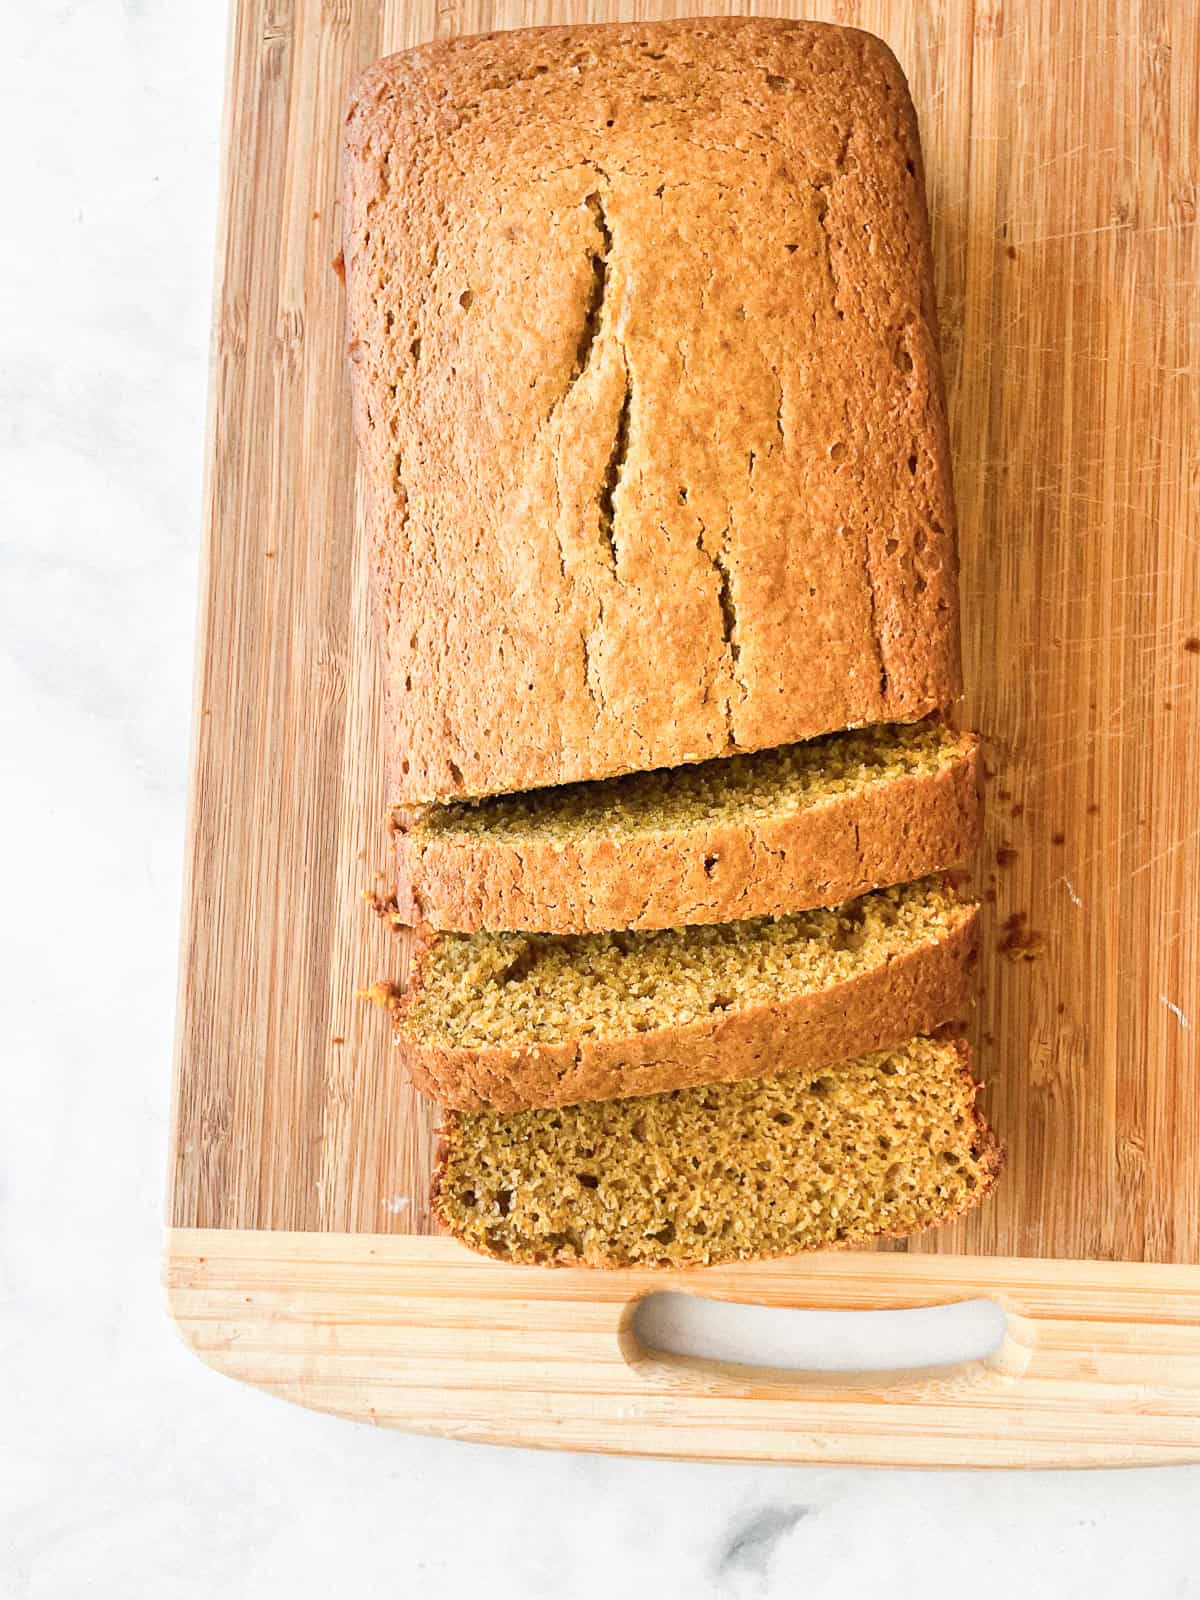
x,y
782,830
509,1020
884,1145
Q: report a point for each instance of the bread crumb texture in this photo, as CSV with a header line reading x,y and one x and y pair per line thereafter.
x,y
648,398
739,790
811,824
885,1145
477,991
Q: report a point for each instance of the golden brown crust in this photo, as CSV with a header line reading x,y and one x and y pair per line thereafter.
x,y
648,398
914,993
818,856
991,1155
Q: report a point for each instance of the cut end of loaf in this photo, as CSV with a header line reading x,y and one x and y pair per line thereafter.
x,y
885,1145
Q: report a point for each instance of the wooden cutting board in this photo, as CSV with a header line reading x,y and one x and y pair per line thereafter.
x,y
1062,142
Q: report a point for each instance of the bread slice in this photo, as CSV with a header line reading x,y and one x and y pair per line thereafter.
x,y
508,1020
647,396
756,835
884,1145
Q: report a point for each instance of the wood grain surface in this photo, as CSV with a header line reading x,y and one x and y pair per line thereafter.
x,y
1099,1364
1062,142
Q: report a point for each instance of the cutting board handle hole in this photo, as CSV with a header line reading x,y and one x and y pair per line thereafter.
x,y
792,1344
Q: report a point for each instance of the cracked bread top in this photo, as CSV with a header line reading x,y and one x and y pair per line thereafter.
x,y
648,398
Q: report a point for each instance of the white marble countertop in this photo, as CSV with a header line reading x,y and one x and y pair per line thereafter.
x,y
126,1468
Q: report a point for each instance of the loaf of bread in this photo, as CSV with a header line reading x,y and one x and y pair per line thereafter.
x,y
647,397
745,836
885,1145
509,1020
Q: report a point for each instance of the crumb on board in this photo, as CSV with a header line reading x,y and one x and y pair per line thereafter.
x,y
1005,855
381,993
1058,838
1020,942
384,905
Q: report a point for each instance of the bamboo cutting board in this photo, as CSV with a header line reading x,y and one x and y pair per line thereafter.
x,y
1062,143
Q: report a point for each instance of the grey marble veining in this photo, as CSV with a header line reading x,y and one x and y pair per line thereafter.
x,y
126,1469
